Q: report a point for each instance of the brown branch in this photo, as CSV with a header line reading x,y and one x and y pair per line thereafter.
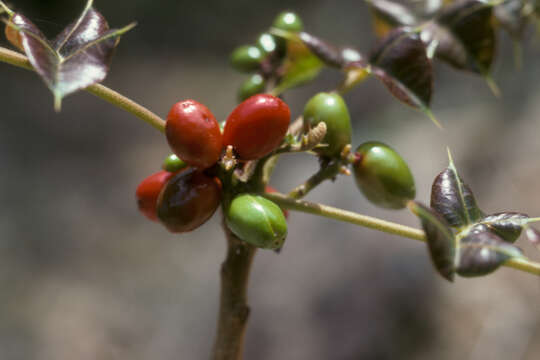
x,y
233,307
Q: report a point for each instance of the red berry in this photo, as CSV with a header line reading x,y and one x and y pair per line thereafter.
x,y
193,134
257,126
188,200
148,192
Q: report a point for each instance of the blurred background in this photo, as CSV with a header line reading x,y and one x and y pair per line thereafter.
x,y
84,276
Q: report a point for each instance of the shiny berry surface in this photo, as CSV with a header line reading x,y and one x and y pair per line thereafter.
x,y
331,109
383,176
173,163
288,21
188,200
257,220
193,134
254,85
246,58
148,192
257,126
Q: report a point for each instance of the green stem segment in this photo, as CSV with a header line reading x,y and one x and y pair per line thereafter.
x,y
233,307
113,97
377,224
325,173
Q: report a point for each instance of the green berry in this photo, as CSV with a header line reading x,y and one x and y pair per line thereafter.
x,y
258,221
246,58
288,21
383,176
267,43
330,108
173,164
255,84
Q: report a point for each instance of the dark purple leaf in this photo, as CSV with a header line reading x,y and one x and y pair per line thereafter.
x,y
482,252
400,62
464,36
507,226
326,52
388,15
77,58
440,239
453,199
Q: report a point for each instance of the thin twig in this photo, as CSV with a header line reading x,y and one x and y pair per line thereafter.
x,y
113,97
378,224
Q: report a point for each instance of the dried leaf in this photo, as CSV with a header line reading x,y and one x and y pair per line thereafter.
x,y
453,199
401,63
388,15
464,36
440,239
482,252
77,58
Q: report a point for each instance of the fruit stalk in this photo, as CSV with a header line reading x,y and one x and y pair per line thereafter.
x,y
233,307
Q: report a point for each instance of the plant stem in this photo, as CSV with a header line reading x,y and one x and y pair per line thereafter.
x,y
233,307
325,173
113,97
377,224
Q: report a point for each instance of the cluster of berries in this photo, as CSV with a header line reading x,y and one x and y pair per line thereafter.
x,y
187,192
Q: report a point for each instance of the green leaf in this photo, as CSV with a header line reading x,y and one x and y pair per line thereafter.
x,y
453,199
401,63
464,36
388,15
78,57
440,239
482,252
301,66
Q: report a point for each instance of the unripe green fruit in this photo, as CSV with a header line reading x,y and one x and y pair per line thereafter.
x,y
255,84
258,221
288,21
330,108
383,176
267,43
246,58
173,164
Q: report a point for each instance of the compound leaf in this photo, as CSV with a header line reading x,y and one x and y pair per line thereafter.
x,y
464,36
482,252
453,199
440,239
401,63
77,58
388,15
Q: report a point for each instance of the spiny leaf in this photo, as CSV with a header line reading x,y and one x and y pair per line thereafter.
x,y
482,252
464,35
78,57
440,239
453,199
388,15
401,63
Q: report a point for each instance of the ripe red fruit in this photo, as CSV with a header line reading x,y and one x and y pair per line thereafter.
x,y
193,134
257,126
188,200
148,192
